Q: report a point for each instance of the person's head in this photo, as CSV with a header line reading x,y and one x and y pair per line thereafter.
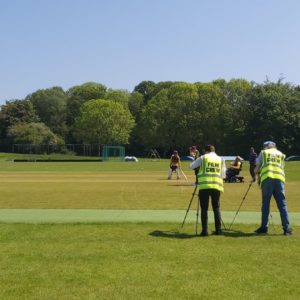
x,y
252,149
194,147
209,148
269,145
175,152
238,158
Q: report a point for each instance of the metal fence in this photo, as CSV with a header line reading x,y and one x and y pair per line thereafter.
x,y
76,149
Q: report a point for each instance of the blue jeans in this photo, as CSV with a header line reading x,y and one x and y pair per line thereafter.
x,y
274,187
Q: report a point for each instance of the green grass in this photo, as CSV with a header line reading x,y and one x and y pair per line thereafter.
x,y
137,260
145,261
120,185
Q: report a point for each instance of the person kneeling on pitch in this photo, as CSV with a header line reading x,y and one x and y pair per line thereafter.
x,y
210,184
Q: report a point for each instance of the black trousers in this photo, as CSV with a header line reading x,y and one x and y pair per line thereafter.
x,y
252,173
204,203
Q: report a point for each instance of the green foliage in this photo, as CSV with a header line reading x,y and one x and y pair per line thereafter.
x,y
136,104
103,122
32,133
274,114
118,96
79,94
233,115
50,105
14,112
145,88
181,115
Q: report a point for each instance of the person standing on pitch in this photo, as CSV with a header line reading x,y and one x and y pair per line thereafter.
x,y
194,153
270,167
252,163
175,165
210,183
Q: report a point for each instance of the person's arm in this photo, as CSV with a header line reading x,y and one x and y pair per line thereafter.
x,y
237,167
196,163
258,163
223,170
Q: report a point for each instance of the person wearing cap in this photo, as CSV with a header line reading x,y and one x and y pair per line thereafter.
x,y
270,167
210,184
194,153
175,165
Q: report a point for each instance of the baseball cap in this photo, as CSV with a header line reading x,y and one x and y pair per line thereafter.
x,y
269,144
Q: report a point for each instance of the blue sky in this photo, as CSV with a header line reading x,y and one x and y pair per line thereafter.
x,y
120,43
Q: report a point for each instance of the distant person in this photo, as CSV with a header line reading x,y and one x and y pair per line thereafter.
x,y
175,165
270,166
194,153
252,163
210,184
234,169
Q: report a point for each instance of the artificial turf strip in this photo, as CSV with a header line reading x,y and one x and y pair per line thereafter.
x,y
145,261
125,215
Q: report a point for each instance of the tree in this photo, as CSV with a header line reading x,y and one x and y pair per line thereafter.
x,y
167,120
234,115
14,112
103,122
120,96
183,114
136,104
79,94
33,133
274,114
50,105
145,88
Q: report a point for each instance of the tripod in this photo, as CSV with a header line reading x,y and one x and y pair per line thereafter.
x,y
241,204
187,211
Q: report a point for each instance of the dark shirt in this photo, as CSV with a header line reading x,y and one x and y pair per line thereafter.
x,y
252,158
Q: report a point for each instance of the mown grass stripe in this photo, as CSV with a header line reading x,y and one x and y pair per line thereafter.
x,y
114,215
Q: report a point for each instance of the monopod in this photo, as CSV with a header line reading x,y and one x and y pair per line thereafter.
x,y
241,204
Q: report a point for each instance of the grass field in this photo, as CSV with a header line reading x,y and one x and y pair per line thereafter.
x,y
141,260
119,185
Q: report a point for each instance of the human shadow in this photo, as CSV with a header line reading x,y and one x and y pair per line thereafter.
x,y
172,234
240,234
237,233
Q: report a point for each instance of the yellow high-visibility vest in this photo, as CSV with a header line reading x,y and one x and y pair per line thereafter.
x,y
209,176
272,165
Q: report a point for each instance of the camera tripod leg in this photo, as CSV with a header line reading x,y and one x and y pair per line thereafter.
x,y
189,207
240,205
197,216
223,224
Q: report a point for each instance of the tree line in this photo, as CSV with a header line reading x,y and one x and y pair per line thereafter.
x,y
233,115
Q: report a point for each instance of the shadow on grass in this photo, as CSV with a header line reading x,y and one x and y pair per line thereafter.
x,y
171,234
226,233
238,234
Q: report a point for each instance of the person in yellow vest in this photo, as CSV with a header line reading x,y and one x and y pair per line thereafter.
x,y
175,165
270,167
210,183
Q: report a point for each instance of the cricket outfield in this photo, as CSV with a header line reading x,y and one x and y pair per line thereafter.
x,y
113,231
